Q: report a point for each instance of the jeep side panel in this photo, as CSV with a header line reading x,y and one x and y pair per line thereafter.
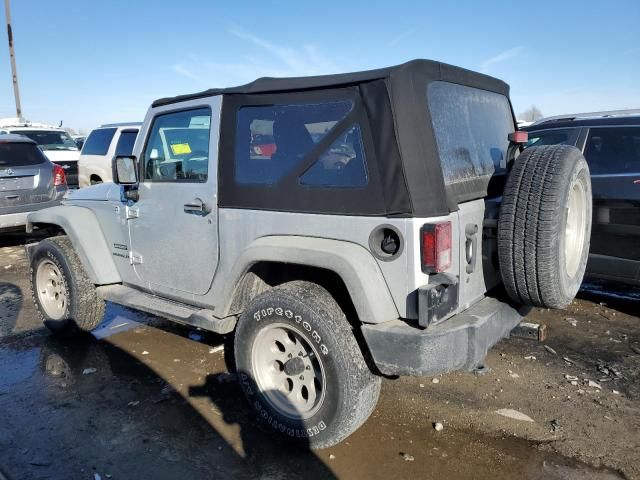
x,y
241,230
353,263
85,232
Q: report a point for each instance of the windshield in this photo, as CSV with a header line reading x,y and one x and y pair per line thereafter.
x,y
49,139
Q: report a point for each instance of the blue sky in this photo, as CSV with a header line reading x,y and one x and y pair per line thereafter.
x,y
92,62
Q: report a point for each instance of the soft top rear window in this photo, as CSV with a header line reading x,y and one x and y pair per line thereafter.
x,y
471,127
20,154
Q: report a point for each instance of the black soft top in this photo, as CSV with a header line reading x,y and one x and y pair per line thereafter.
x,y
430,68
406,176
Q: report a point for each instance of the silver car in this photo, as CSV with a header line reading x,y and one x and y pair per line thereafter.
x,y
28,181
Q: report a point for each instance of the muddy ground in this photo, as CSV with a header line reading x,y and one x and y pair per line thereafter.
x,y
145,399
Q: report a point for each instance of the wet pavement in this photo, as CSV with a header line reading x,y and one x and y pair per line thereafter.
x,y
143,398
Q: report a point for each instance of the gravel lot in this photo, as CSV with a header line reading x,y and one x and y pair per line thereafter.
x,y
143,398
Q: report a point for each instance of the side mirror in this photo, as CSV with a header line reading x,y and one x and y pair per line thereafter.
x,y
124,170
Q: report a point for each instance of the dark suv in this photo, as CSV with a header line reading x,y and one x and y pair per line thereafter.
x,y
610,142
28,181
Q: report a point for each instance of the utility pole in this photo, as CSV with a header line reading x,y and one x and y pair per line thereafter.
x,y
12,55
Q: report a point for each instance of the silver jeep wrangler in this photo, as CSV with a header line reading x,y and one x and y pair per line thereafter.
x,y
340,227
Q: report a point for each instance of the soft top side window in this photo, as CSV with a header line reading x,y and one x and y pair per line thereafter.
x,y
342,165
271,140
307,151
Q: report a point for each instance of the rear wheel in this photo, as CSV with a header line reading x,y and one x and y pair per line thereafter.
x,y
300,366
545,226
65,297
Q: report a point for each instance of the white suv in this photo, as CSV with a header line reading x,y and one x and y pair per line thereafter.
x,y
100,147
55,142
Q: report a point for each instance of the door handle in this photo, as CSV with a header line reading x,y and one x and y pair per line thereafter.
x,y
197,206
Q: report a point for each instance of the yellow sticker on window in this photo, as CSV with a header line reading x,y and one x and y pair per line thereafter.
x,y
180,148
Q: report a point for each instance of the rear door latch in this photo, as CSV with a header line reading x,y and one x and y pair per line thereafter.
x,y
471,246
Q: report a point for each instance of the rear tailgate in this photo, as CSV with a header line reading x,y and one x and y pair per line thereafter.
x,y
478,251
472,128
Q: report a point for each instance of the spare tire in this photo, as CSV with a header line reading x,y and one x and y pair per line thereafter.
x,y
544,227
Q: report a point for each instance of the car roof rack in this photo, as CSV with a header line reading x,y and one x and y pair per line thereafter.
x,y
581,116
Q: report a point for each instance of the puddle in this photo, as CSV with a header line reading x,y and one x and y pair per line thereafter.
x,y
16,367
104,405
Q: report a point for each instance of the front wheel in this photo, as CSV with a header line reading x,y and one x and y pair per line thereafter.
x,y
300,366
64,296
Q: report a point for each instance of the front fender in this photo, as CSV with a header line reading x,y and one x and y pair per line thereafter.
x,y
83,229
353,263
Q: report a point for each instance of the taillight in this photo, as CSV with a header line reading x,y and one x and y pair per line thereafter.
x,y
436,247
59,178
519,136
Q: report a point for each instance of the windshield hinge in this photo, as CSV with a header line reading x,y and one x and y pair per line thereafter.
x,y
135,258
132,212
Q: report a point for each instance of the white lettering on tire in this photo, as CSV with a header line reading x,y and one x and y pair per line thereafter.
x,y
266,312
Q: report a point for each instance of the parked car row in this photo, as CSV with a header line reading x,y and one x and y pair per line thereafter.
x,y
55,142
28,149
610,141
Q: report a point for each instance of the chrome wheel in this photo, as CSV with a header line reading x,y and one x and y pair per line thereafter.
x,y
288,371
575,228
52,292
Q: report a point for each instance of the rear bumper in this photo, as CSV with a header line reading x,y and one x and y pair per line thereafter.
x,y
18,218
13,220
461,342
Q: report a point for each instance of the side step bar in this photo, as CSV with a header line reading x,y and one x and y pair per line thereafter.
x,y
176,311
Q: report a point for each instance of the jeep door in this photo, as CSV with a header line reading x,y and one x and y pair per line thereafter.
x,y
174,224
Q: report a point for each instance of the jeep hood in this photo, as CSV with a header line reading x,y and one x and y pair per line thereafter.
x,y
100,192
